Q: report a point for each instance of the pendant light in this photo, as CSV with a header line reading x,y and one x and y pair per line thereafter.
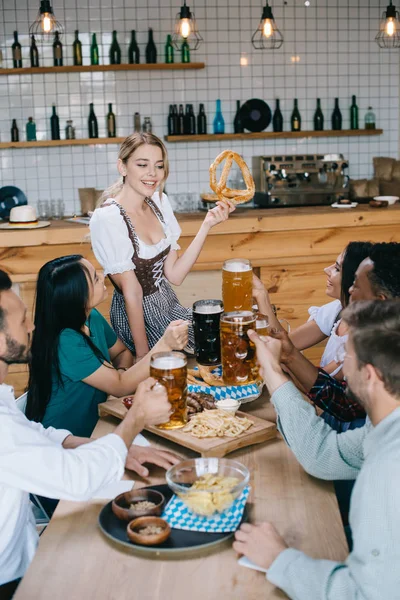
x,y
45,25
267,36
186,29
389,30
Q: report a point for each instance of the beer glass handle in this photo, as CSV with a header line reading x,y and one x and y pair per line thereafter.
x,y
285,324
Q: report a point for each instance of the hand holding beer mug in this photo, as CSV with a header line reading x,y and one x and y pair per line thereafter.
x,y
237,284
206,324
239,364
176,335
170,370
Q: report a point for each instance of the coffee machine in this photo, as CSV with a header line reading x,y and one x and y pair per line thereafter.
x,y
300,180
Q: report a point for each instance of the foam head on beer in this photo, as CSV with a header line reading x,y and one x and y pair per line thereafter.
x,y
167,363
208,309
237,266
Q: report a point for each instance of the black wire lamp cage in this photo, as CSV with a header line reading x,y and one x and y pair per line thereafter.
x,y
186,29
46,25
389,30
267,35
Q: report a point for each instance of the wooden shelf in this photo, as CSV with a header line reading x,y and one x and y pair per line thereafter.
x,y
47,143
94,68
271,135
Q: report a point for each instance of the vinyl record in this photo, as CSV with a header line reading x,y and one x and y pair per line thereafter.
x,y
10,196
255,115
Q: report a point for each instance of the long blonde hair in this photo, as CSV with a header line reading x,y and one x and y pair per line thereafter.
x,y
128,147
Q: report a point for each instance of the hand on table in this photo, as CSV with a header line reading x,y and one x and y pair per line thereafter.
x,y
219,213
151,403
176,335
138,455
262,544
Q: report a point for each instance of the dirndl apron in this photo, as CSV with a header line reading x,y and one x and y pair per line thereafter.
x,y
160,303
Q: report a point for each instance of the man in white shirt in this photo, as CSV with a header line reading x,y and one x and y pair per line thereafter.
x,y
53,462
370,453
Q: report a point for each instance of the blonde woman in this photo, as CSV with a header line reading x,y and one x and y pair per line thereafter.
x,y
135,236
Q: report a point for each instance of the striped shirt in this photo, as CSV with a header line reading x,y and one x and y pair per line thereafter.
x,y
370,454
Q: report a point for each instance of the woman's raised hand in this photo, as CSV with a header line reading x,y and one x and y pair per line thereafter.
x,y
176,335
219,213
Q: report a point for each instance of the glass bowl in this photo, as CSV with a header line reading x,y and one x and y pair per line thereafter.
x,y
214,498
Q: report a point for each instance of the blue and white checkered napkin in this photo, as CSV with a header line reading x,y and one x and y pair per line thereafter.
x,y
178,515
236,392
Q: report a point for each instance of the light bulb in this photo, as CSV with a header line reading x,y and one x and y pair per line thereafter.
x,y
267,28
390,27
185,28
46,23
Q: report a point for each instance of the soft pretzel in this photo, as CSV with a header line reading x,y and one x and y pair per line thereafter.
x,y
224,193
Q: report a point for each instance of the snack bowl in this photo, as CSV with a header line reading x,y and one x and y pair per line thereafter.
x,y
388,199
136,528
122,509
228,405
218,482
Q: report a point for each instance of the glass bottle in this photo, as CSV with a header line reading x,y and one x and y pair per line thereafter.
x,y
295,120
14,131
336,117
277,119
201,121
55,125
57,51
34,53
69,131
77,50
31,130
370,121
147,127
136,122
185,52
171,121
191,121
1,59
115,50
186,120
181,121
151,50
111,127
16,52
318,117
354,114
92,123
169,51
133,51
94,51
219,123
237,122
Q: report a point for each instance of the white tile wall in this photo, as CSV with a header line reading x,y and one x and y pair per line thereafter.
x,y
338,57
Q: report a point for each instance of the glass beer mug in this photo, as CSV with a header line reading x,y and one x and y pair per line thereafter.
x,y
170,370
206,323
238,352
237,284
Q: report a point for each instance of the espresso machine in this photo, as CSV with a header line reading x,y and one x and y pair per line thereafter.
x,y
300,180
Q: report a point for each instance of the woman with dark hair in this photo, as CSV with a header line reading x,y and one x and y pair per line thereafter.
x,y
324,321
77,359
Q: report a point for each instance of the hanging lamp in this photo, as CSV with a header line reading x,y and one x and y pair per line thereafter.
x,y
186,29
389,30
267,35
45,25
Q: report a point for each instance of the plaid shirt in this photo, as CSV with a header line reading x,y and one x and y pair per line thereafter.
x,y
330,394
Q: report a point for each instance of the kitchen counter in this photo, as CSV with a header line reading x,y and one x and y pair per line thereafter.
x,y
289,247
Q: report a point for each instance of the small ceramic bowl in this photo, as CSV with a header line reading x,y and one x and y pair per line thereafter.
x,y
388,199
134,527
121,505
228,404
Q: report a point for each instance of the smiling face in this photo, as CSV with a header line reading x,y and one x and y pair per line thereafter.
x,y
97,290
334,274
362,288
144,169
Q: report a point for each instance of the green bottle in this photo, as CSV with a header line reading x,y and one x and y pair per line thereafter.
x,y
169,51
115,51
318,117
185,52
77,50
94,51
295,120
31,130
354,114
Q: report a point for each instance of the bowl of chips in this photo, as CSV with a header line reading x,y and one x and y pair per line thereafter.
x,y
208,485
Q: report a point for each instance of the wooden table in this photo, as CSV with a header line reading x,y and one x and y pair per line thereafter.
x,y
74,560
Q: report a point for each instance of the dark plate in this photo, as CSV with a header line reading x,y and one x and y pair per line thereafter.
x,y
10,196
179,543
255,115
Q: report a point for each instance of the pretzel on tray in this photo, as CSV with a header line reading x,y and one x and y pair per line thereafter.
x,y
224,193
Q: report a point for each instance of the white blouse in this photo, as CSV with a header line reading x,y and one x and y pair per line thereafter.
x,y
111,242
325,317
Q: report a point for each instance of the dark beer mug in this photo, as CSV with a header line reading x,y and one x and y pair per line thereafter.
x,y
206,318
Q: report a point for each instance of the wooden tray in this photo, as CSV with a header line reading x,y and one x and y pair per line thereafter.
x,y
261,431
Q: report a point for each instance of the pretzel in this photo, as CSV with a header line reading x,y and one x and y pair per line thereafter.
x,y
224,193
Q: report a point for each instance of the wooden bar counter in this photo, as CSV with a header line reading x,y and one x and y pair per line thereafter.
x,y
75,560
289,248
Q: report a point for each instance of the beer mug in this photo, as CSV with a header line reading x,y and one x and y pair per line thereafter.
x,y
237,284
262,324
238,352
170,370
206,322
